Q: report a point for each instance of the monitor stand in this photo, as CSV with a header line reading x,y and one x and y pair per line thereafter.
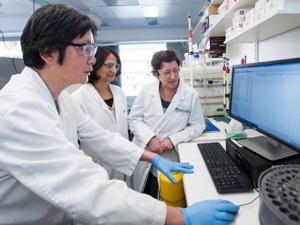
x,y
267,148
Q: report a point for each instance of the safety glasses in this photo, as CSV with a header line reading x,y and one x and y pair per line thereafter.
x,y
110,65
85,49
168,73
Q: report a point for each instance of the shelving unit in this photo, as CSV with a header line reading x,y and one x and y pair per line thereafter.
x,y
208,82
284,21
225,20
266,29
278,24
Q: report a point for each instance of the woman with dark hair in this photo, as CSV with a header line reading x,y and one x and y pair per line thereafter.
x,y
104,102
165,113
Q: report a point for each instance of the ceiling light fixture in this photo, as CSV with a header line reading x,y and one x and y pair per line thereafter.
x,y
150,11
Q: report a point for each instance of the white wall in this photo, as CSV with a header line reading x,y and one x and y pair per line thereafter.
x,y
237,51
283,46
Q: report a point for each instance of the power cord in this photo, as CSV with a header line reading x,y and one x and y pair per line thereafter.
x,y
3,40
253,200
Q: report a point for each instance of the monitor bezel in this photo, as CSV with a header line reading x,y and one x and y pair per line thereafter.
x,y
247,123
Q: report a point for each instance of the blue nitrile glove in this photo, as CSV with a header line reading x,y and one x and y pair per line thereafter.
x,y
166,167
209,212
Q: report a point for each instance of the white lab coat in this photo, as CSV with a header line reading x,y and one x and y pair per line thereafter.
x,y
92,104
44,177
182,121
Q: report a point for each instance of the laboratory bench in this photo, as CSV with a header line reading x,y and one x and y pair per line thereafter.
x,y
199,185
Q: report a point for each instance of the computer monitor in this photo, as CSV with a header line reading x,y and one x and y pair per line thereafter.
x,y
8,67
265,96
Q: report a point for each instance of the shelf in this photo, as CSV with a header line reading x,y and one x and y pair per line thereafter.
x,y
225,20
270,27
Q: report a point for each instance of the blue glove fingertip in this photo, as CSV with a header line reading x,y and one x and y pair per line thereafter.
x,y
172,179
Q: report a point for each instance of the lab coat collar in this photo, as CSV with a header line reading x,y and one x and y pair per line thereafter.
x,y
179,96
38,84
155,91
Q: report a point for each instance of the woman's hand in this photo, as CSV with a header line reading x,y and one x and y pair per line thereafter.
x,y
155,145
167,145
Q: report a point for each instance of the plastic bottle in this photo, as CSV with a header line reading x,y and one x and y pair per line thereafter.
x,y
196,60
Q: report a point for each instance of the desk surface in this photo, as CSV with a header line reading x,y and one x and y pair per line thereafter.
x,y
199,185
221,135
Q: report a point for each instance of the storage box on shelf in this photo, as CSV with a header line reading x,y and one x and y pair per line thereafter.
x,y
259,11
274,6
209,22
239,19
216,46
272,17
212,10
267,25
225,19
250,18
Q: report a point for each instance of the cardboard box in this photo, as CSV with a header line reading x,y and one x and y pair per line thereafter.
x,y
239,18
240,15
212,10
209,22
216,43
229,33
259,11
250,18
274,6
216,54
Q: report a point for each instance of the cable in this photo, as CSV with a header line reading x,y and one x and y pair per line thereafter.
x,y
253,200
14,65
4,40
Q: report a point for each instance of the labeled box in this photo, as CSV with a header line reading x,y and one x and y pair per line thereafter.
x,y
209,22
216,43
250,18
212,10
288,6
229,33
239,18
259,11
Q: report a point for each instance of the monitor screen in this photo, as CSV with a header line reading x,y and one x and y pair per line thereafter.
x,y
265,96
9,67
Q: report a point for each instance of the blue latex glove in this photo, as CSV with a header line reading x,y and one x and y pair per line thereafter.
x,y
166,167
209,212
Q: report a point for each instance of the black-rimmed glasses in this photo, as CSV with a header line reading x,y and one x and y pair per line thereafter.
x,y
85,49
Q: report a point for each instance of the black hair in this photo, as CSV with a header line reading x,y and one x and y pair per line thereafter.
x,y
160,57
51,28
101,55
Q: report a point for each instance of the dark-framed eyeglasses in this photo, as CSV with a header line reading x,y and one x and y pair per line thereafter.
x,y
168,73
85,49
110,65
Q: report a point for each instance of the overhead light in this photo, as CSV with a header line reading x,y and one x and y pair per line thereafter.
x,y
150,11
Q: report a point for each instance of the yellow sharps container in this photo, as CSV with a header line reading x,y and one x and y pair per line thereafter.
x,y
172,194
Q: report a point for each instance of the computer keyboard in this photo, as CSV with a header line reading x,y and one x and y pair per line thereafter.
x,y
227,177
